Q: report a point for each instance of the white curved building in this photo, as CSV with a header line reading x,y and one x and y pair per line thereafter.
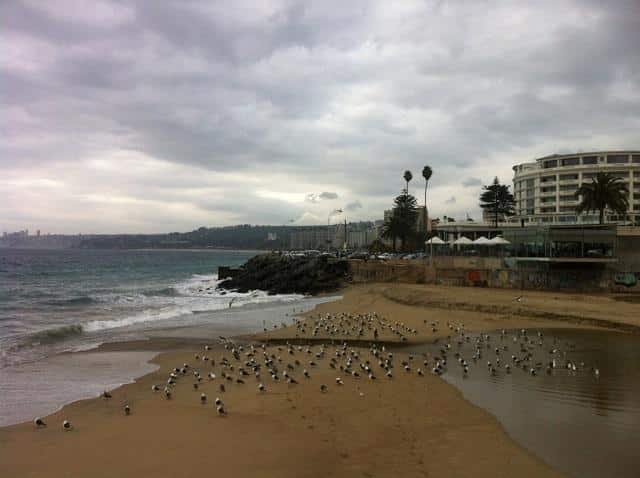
x,y
544,189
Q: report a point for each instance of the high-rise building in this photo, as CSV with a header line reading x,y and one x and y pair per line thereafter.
x,y
544,189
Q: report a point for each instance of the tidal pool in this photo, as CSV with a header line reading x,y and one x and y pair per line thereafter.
x,y
583,422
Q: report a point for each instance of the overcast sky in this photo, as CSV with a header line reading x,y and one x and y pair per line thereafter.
x,y
150,116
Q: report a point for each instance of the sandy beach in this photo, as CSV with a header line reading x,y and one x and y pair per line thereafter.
x,y
408,425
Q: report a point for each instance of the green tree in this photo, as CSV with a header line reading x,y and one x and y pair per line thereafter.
x,y
497,200
426,174
401,224
408,176
604,191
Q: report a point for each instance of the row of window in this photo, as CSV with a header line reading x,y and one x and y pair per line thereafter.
x,y
610,159
530,183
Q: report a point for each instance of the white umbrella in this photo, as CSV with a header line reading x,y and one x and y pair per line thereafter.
x,y
435,240
463,241
499,241
483,241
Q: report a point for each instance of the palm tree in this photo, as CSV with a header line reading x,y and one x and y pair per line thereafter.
x,y
426,174
604,191
407,177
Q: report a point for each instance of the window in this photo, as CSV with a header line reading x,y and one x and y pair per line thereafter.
x,y
530,212
617,158
590,160
571,161
636,195
567,208
548,199
635,158
553,163
547,210
548,189
570,197
530,203
530,183
547,219
636,174
567,219
619,174
568,187
568,177
547,179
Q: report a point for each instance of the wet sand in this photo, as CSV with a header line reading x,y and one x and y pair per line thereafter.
x,y
410,425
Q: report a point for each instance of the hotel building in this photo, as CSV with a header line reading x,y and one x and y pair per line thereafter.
x,y
544,189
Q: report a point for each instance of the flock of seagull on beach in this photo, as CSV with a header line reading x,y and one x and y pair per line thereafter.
x,y
338,339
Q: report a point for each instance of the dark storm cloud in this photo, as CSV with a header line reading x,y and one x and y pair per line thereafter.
x,y
470,182
185,113
353,206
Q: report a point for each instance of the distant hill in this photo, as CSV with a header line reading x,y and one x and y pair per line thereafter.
x,y
244,236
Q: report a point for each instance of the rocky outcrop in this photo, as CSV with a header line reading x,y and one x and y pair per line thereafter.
x,y
279,274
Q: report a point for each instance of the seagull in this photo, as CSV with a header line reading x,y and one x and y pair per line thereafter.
x,y
167,394
323,388
127,410
221,411
106,394
66,425
39,422
218,402
518,299
155,388
261,387
203,398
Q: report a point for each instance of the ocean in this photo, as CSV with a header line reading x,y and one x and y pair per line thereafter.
x,y
56,301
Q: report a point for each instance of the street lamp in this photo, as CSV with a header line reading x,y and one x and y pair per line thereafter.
x,y
335,212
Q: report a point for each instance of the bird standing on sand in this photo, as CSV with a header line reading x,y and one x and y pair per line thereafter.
x,y
66,425
105,395
203,398
39,422
127,410
261,387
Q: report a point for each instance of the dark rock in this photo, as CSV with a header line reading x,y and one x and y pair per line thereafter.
x,y
279,274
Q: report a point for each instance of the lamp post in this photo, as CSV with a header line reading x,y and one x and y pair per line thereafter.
x,y
335,212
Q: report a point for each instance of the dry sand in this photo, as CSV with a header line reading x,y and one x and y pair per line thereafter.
x,y
406,426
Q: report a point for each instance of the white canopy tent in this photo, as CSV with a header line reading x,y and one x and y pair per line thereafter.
x,y
462,241
499,241
483,241
435,240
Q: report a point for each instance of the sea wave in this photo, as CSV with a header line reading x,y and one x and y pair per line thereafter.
x,y
56,333
73,301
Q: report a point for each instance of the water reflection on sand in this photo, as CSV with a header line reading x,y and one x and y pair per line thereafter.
x,y
584,423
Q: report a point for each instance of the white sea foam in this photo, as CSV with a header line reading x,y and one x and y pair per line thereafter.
x,y
197,294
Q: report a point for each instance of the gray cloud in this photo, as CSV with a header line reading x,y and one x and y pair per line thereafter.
x,y
152,115
469,182
451,200
328,195
352,206
318,197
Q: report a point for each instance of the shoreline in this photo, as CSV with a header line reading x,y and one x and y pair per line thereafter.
x,y
365,298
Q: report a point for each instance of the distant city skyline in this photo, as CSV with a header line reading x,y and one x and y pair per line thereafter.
x,y
150,117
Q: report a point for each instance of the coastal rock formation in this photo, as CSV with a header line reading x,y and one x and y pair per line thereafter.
x,y
280,274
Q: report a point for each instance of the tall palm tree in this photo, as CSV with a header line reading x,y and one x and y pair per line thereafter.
x,y
604,191
407,177
426,174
